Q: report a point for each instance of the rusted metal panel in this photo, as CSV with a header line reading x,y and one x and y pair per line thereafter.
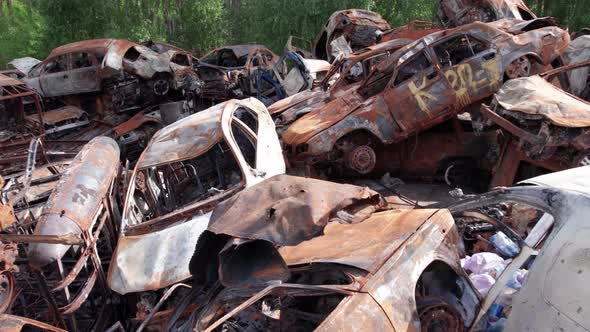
x,y
58,115
10,323
460,12
359,312
272,209
338,241
77,198
535,96
358,26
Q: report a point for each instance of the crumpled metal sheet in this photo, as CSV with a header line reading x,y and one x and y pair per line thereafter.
x,y
57,115
365,245
287,210
535,96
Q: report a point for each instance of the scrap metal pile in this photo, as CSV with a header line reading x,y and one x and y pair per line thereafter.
x,y
143,188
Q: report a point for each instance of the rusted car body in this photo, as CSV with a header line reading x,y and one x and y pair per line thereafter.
x,y
547,127
329,257
253,70
413,30
10,323
231,71
185,171
59,266
454,13
417,87
343,75
359,28
126,74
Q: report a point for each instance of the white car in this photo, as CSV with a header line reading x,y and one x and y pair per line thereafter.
x,y
185,171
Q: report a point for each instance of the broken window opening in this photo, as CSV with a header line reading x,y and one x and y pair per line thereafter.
x,y
81,60
246,142
410,68
57,65
181,60
457,49
132,54
162,189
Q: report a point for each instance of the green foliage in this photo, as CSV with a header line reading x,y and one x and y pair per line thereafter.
x,y
34,27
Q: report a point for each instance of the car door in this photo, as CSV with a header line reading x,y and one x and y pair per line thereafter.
x,y
419,95
254,139
54,79
472,67
84,73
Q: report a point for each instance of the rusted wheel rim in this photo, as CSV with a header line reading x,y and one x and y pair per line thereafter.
x,y
520,67
362,159
6,291
161,87
441,317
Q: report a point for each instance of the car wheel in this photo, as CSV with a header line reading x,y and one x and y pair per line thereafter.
x,y
520,67
436,315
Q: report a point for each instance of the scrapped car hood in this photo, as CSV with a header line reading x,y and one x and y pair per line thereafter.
x,y
365,245
57,115
286,210
576,179
155,260
321,119
535,96
24,64
284,104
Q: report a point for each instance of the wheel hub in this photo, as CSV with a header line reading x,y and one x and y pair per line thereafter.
x,y
521,67
441,318
161,87
361,159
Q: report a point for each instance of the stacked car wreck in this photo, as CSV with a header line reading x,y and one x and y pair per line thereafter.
x,y
144,188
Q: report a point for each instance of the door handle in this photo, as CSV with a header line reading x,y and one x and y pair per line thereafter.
x,y
432,75
65,76
489,56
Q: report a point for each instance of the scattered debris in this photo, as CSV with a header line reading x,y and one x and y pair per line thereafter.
x,y
131,201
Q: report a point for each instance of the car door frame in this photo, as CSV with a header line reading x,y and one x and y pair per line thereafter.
x,y
45,79
417,89
476,77
75,77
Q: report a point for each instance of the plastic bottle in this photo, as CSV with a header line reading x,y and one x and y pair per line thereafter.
x,y
504,245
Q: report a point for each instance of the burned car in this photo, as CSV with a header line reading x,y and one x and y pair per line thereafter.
x,y
417,87
454,13
123,74
231,71
253,70
315,255
549,128
350,263
347,31
185,171
343,73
